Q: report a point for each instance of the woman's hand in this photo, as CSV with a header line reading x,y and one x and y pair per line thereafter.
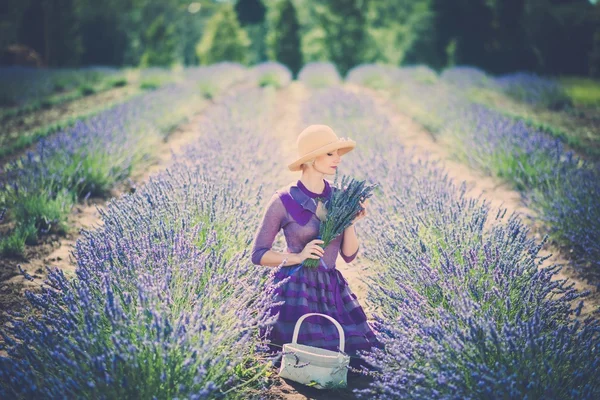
x,y
312,250
361,214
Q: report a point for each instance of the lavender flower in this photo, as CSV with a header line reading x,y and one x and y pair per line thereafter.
x,y
341,209
463,305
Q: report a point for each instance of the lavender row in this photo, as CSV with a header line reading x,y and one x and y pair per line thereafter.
x,y
271,73
535,90
462,307
40,188
523,86
318,74
165,302
561,187
19,85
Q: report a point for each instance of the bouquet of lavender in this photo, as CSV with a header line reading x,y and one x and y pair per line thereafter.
x,y
340,210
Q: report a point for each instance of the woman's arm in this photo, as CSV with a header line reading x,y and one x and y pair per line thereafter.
x,y
274,259
265,235
349,244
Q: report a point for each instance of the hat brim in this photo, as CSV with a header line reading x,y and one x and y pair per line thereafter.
x,y
342,147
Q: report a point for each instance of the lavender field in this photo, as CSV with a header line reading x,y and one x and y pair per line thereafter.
x,y
166,303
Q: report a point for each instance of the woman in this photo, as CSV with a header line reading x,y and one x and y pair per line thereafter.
x,y
295,209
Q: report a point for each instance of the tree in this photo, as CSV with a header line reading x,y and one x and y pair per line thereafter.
x,y
224,39
560,34
51,28
161,44
251,15
345,27
594,64
399,29
250,12
286,38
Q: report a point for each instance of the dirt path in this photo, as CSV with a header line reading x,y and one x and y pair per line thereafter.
x,y
495,191
286,129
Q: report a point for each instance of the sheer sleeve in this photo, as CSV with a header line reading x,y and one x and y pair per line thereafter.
x,y
272,221
349,258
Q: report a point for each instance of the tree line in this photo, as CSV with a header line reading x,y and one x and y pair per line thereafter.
x,y
544,36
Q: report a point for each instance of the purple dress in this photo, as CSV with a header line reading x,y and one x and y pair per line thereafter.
x,y
323,289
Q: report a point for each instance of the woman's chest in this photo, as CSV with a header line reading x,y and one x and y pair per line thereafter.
x,y
297,233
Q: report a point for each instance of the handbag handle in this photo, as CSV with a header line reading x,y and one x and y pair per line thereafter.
x,y
337,325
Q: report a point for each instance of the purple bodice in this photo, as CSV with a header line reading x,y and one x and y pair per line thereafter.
x,y
292,208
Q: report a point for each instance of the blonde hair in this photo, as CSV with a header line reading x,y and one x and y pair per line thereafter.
x,y
307,163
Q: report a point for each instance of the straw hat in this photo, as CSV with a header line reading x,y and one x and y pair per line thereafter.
x,y
316,140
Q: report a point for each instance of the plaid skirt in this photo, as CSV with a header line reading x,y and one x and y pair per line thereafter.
x,y
320,290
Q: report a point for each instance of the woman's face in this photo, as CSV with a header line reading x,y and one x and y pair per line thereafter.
x,y
327,163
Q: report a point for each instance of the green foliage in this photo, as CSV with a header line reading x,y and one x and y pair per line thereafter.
x,y
223,39
285,45
583,92
395,28
161,43
42,211
62,32
119,82
269,79
208,89
13,245
498,36
87,89
595,55
345,25
250,12
150,84
257,51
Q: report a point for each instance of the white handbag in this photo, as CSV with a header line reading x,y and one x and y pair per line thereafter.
x,y
314,366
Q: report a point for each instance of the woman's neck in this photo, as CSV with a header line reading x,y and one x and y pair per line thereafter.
x,y
313,182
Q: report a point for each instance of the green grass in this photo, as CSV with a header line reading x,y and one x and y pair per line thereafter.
x,y
578,133
61,98
86,89
44,211
269,79
13,245
208,89
34,213
150,84
117,82
582,91
376,81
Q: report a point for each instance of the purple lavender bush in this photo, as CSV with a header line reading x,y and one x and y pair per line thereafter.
x,y
375,76
215,78
271,73
165,302
465,76
319,74
535,90
463,308
419,73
